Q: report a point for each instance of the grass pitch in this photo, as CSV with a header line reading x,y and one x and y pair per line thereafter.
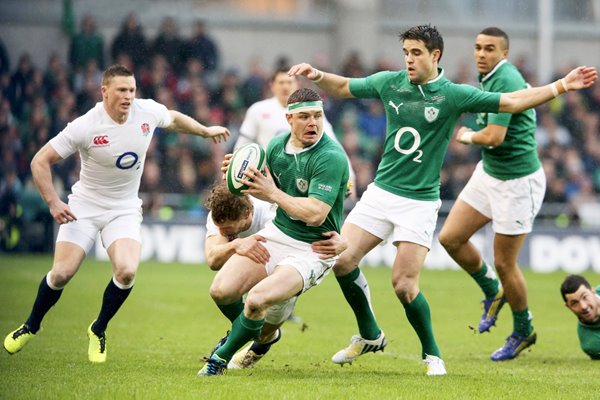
x,y
169,322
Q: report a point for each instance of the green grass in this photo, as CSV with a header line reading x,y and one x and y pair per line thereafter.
x,y
169,321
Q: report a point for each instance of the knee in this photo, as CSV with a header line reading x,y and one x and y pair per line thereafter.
x,y
125,273
406,289
504,268
219,294
59,277
448,241
256,303
345,264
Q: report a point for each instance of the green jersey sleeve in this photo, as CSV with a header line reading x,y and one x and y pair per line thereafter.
x,y
366,88
327,172
473,100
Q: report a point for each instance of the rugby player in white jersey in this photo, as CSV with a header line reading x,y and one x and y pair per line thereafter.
x,y
112,139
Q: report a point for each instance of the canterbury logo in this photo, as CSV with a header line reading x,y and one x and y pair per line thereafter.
x,y
100,140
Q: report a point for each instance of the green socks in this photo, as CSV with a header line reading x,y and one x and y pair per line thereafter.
x,y
487,280
522,322
419,316
356,291
232,311
242,330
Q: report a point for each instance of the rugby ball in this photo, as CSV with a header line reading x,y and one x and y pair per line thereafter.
x,y
249,155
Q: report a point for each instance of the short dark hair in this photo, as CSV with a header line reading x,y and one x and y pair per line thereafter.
x,y
496,32
304,94
115,70
571,284
283,69
428,34
226,206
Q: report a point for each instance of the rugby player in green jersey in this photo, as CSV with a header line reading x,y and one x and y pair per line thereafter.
x,y
422,107
506,189
584,302
306,176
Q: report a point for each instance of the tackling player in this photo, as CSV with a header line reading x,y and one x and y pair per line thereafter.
x,y
231,228
422,107
112,139
307,173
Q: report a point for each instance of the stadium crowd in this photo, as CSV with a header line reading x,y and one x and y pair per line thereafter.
x,y
185,73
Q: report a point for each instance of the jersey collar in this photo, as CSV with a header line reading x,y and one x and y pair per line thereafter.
x,y
483,78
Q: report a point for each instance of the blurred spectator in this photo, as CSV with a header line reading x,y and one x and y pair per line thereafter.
x,y
169,44
4,59
10,211
130,41
203,48
16,92
353,66
86,45
550,132
256,84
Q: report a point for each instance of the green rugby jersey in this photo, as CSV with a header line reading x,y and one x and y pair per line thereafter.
x,y
320,172
420,123
589,336
517,155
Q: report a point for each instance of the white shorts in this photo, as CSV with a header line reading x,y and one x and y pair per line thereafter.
x,y
280,312
386,215
285,250
91,219
511,205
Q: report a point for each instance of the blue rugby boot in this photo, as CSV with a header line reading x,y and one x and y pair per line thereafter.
x,y
514,345
215,365
491,309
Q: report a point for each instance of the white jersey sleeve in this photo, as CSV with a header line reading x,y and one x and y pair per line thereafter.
x,y
250,126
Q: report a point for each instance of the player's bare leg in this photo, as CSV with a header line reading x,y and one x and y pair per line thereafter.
x,y
506,251
461,224
67,260
405,280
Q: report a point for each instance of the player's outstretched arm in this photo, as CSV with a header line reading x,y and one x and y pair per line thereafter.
x,y
185,124
491,136
335,85
579,78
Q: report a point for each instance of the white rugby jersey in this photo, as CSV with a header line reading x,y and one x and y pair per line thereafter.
x,y
263,213
266,119
112,155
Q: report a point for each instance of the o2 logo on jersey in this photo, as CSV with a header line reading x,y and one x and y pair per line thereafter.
x,y
412,149
127,160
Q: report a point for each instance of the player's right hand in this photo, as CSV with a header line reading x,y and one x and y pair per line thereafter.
x,y
252,248
304,69
61,212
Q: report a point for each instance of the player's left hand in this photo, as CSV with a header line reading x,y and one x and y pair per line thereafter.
x,y
225,164
217,133
581,78
260,186
331,247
